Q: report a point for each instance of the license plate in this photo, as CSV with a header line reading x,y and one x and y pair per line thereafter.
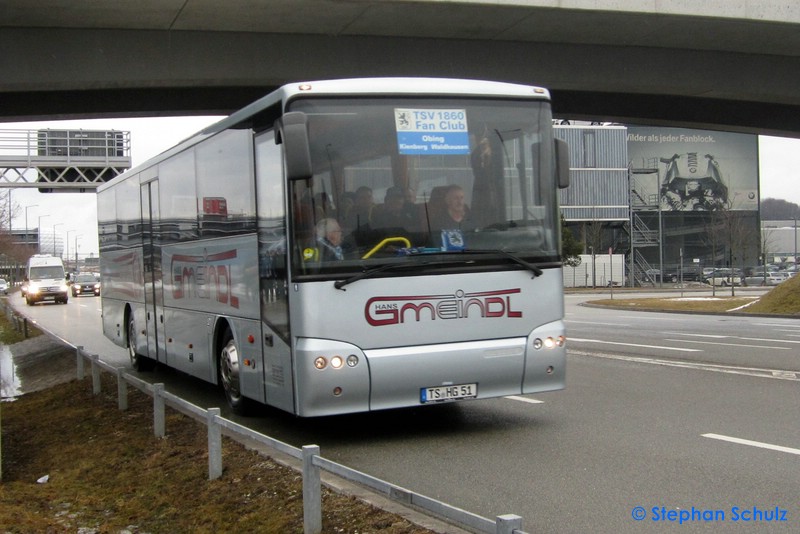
x,y
449,393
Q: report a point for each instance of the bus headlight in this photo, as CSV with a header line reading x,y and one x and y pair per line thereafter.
x,y
549,342
337,362
320,362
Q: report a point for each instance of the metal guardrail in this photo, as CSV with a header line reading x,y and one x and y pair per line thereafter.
x,y
18,321
312,462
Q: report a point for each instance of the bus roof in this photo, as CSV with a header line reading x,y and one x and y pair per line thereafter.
x,y
352,86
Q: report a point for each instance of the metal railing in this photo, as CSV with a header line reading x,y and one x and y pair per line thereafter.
x,y
64,146
312,462
62,159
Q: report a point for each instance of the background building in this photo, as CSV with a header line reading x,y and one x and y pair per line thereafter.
x,y
673,201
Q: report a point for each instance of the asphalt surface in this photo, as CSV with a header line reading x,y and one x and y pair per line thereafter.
x,y
643,424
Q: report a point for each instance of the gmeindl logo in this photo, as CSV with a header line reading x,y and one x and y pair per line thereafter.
x,y
383,311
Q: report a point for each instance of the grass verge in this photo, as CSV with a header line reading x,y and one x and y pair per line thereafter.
x,y
783,299
108,473
8,332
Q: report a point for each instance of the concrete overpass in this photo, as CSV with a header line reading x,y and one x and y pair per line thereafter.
x,y
721,64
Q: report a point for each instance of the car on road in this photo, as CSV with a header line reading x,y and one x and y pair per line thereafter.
x,y
4,286
759,278
46,280
85,284
724,278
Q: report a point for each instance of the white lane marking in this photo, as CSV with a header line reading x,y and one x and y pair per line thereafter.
x,y
759,444
722,336
730,369
713,336
595,322
642,318
525,399
632,344
729,344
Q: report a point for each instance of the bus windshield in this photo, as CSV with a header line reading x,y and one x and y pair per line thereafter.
x,y
398,181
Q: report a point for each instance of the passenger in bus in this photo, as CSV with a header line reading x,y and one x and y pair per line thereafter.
x,y
454,214
347,200
329,240
359,215
394,214
357,222
323,207
410,206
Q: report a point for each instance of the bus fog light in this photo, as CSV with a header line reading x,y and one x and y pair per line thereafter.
x,y
352,360
549,370
337,391
537,343
320,362
337,362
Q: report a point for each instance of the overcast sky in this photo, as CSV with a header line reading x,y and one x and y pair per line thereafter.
x,y
77,212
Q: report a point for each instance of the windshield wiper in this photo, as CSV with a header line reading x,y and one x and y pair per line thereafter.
x,y
368,273
339,284
516,259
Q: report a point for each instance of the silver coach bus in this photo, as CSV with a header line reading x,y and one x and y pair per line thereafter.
x,y
348,245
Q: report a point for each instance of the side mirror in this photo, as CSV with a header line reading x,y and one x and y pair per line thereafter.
x,y
292,132
562,163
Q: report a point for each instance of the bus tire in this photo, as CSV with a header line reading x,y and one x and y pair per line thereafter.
x,y
229,378
138,362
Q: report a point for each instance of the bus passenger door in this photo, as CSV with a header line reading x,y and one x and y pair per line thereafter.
x,y
273,273
153,281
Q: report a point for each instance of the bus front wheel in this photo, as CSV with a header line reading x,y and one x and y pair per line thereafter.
x,y
229,374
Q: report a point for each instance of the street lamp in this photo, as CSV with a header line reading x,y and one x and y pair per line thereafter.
x,y
39,234
66,245
26,222
76,252
54,237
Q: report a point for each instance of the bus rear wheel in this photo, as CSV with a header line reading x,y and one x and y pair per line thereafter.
x,y
229,374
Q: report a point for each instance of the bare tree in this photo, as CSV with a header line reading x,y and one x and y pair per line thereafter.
x,y
735,234
768,240
11,254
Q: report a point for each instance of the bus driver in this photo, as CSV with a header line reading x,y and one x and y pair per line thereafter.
x,y
329,240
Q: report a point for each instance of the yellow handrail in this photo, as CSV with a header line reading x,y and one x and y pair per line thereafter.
x,y
380,245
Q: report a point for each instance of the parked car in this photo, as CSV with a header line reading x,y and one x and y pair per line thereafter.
x,y
759,278
724,278
4,286
675,275
85,284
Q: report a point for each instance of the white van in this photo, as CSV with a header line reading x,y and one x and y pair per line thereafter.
x,y
45,280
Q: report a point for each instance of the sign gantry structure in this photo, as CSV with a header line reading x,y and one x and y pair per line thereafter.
x,y
68,160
